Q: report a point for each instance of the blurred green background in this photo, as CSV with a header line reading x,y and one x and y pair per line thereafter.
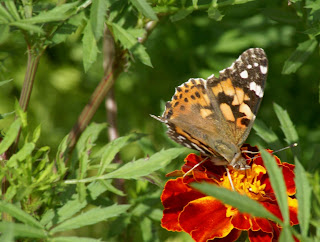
x,y
195,46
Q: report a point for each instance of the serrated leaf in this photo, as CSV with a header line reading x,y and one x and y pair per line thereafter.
x,y
181,14
89,47
73,239
286,124
303,195
277,183
5,82
27,26
138,168
63,32
98,12
235,199
111,150
10,136
5,14
22,230
68,210
19,214
299,56
214,13
92,216
59,13
131,43
145,9
11,7
23,153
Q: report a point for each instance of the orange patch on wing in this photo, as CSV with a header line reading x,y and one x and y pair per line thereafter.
x,y
238,98
227,112
227,87
216,90
244,108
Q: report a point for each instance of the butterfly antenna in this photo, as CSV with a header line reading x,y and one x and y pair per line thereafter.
x,y
229,177
195,166
273,152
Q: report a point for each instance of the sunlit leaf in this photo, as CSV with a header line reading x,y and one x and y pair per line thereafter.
x,y
145,9
90,48
92,216
98,12
19,214
22,230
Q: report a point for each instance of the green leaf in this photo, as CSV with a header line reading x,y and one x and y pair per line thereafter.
x,y
11,7
277,183
73,239
4,13
59,13
23,153
145,9
286,124
111,150
89,47
98,12
2,116
92,216
181,14
27,26
10,136
299,56
131,43
214,13
235,199
286,235
22,230
68,210
19,214
304,197
5,82
138,168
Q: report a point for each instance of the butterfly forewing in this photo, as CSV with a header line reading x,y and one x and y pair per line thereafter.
x,y
215,115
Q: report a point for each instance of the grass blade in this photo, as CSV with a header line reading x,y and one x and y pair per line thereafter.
x,y
304,197
235,199
277,183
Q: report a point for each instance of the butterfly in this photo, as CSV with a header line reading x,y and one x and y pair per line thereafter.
x,y
215,116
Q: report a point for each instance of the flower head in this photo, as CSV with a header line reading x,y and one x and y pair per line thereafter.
x,y
206,218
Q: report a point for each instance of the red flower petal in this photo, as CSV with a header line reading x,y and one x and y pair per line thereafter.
x,y
175,196
232,236
241,221
259,236
205,218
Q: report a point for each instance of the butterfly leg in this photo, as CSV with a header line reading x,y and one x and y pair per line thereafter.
x,y
195,166
229,177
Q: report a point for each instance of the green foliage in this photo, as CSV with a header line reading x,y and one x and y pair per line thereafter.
x,y
56,193
235,199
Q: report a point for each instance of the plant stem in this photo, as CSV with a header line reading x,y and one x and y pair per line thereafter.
x,y
89,110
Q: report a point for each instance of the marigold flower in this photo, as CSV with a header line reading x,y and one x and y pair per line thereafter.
x,y
206,218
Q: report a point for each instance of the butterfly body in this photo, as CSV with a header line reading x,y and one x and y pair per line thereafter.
x,y
215,116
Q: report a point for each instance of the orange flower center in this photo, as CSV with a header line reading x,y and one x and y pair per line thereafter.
x,y
246,181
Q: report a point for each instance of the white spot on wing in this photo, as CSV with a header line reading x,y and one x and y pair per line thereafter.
x,y
244,74
255,64
263,69
249,66
256,88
